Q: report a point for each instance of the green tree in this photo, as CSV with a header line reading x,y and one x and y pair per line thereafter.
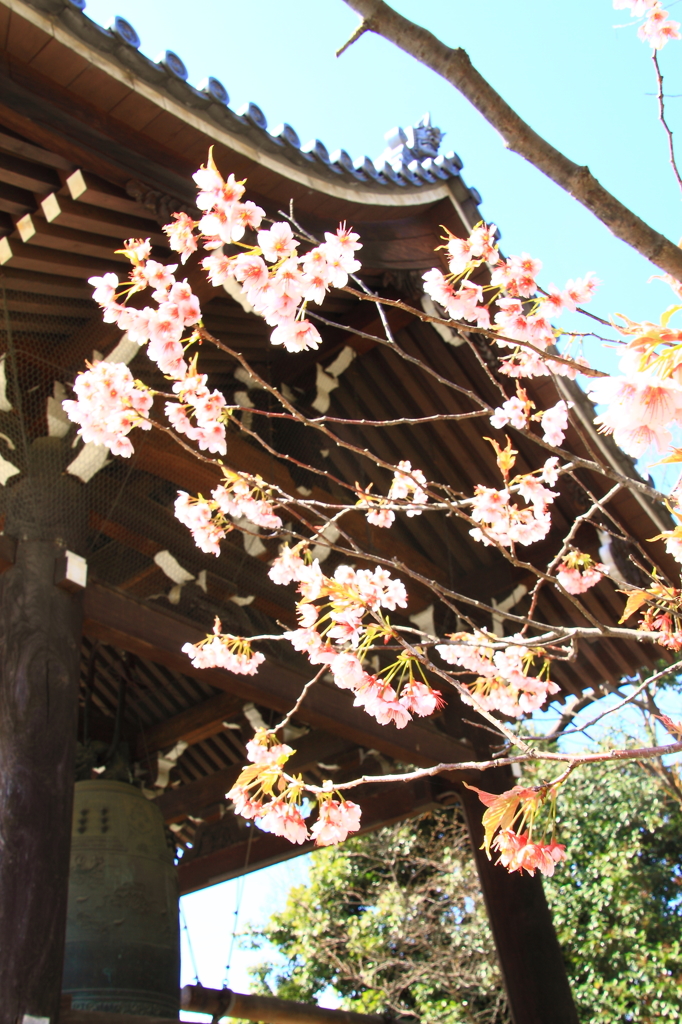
x,y
395,919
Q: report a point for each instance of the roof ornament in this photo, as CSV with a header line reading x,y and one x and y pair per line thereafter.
x,y
418,142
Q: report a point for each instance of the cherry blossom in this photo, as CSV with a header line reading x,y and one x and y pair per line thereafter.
x,y
519,853
284,819
109,403
554,423
578,572
223,650
335,820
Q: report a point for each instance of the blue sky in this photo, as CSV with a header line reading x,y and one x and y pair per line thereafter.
x,y
586,85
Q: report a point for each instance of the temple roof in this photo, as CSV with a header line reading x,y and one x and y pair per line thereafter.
x,y
409,171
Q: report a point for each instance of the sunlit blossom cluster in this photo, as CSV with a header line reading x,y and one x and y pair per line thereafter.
x,y
503,682
515,815
517,411
239,496
577,572
503,521
336,632
520,853
276,279
223,650
281,814
407,493
523,312
108,404
657,29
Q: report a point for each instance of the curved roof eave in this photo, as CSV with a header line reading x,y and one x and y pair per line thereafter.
x,y
164,85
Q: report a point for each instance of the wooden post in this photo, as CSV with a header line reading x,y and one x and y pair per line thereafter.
x,y
40,627
527,947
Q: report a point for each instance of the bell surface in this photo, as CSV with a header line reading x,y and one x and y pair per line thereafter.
x,y
122,936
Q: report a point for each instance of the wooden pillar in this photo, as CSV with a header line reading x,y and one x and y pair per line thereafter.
x,y
40,626
529,953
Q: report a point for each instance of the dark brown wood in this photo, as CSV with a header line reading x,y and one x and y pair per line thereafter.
x,y
528,950
21,148
50,261
8,552
88,188
29,176
33,229
235,855
15,200
192,726
59,209
39,661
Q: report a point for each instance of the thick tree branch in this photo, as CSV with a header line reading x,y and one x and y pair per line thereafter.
x,y
456,67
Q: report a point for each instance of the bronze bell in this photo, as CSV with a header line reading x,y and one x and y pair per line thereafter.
x,y
122,935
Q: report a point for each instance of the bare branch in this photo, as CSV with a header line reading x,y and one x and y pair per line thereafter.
x,y
456,67
661,118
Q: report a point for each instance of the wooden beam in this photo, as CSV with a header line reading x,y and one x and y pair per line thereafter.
x,y
192,726
381,805
15,201
45,284
224,1002
50,261
26,150
28,176
68,213
33,229
176,804
88,188
119,620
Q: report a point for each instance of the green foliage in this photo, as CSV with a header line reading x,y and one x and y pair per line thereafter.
x,y
395,920
617,901
392,920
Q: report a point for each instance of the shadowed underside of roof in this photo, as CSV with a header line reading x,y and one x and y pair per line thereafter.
x,y
98,144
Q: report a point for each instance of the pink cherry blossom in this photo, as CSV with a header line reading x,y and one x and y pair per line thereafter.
x,y
459,255
181,237
296,336
436,285
518,853
278,242
335,820
419,698
382,517
108,404
286,567
577,573
262,753
284,819
105,288
554,424
244,804
514,411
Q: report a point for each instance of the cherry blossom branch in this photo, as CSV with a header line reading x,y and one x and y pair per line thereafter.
x,y
587,371
403,421
616,707
287,718
573,761
455,67
662,118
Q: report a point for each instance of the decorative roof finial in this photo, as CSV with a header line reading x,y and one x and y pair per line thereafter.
x,y
403,145
424,139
